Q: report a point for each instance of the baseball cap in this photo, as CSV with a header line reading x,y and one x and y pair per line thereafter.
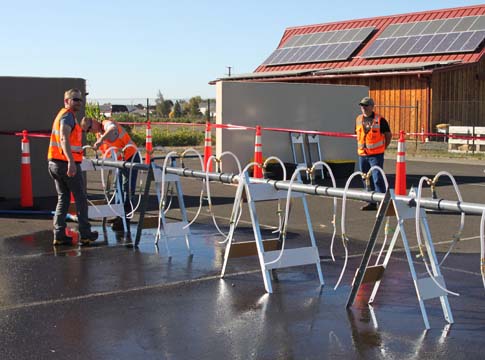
x,y
367,101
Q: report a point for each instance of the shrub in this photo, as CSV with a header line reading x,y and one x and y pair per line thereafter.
x,y
162,137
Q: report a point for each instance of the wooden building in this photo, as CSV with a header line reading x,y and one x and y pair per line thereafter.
x,y
422,68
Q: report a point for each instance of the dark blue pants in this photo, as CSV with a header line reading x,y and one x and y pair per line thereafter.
x,y
66,185
127,186
365,163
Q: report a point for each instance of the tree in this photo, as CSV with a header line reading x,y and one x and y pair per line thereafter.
x,y
163,107
177,110
191,108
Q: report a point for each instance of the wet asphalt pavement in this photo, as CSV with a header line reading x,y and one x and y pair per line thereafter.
x,y
113,301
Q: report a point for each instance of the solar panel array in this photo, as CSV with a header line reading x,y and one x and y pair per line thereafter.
x,y
319,47
455,35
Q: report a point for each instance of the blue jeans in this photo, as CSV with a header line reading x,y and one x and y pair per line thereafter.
x,y
365,163
66,185
128,186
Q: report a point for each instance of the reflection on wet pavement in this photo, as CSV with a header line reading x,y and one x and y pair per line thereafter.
x,y
115,301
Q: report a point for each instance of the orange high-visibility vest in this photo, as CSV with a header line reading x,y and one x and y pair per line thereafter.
x,y
55,151
372,143
120,142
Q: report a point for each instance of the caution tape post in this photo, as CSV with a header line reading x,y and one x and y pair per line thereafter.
x,y
207,147
400,182
258,154
26,198
148,146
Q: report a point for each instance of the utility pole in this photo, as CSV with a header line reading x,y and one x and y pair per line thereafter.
x,y
208,110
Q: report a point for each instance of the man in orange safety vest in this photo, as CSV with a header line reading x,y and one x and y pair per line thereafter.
x,y
373,138
65,155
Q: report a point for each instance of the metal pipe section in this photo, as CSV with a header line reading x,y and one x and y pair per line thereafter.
x,y
426,203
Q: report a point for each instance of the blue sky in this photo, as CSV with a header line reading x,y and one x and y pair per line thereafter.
x,y
132,49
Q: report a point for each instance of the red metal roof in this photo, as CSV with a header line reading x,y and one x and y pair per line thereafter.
x,y
380,23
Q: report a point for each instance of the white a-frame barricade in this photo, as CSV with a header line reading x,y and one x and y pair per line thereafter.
x,y
173,228
270,258
428,286
104,209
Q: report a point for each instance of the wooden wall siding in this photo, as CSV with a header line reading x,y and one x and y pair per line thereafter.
x,y
458,96
396,99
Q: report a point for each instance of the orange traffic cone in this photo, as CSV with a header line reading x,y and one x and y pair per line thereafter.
x,y
72,212
258,153
207,147
26,198
148,145
400,184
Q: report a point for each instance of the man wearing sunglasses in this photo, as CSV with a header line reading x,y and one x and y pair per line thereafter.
x,y
373,138
110,134
65,155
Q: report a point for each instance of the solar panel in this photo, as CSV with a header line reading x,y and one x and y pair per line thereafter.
x,y
396,45
447,41
479,24
418,28
408,44
350,35
449,25
349,50
432,43
419,43
318,47
290,42
464,34
433,27
474,41
383,47
460,41
403,30
465,23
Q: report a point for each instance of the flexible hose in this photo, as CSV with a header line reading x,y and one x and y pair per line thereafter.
x,y
161,205
235,214
345,239
418,235
296,173
387,227
113,150
279,210
334,217
201,197
85,148
209,195
133,208
457,235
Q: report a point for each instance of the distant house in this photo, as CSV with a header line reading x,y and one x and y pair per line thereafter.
x,y
205,105
109,109
422,68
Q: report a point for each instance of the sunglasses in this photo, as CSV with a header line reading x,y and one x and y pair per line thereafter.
x,y
77,99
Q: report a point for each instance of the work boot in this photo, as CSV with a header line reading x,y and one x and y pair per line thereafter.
x,y
369,207
64,241
89,238
117,225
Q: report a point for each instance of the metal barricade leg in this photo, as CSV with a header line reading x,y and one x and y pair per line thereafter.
x,y
436,269
426,287
312,238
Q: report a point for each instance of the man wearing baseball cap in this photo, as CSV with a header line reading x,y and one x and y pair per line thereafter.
x,y
373,138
